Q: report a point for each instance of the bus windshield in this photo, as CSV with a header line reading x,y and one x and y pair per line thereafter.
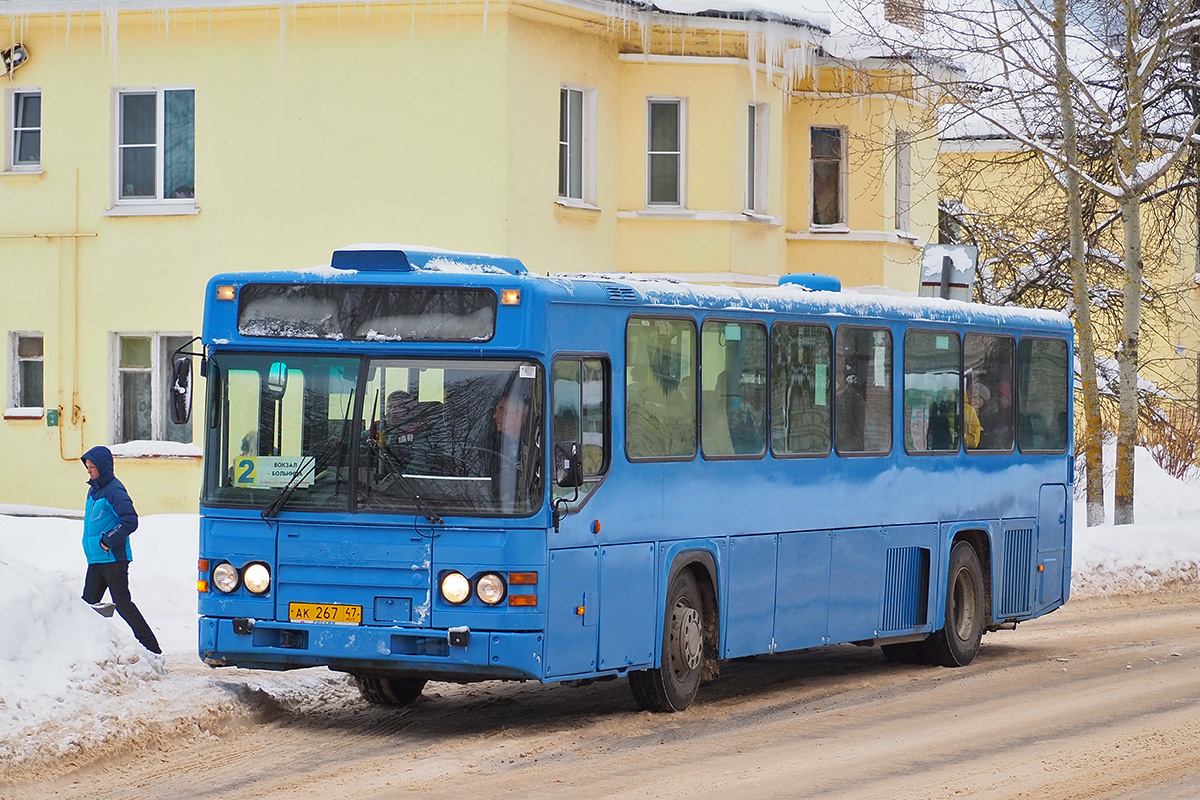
x,y
338,433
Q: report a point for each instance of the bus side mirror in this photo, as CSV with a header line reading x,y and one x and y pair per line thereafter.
x,y
568,465
181,391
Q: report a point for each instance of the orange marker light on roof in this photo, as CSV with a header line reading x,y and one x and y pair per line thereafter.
x,y
510,297
226,292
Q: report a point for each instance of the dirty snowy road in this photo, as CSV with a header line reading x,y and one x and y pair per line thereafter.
x,y
1098,700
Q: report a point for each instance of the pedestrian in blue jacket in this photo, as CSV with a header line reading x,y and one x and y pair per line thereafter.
x,y
108,519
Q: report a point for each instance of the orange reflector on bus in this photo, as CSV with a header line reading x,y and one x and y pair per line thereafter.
x,y
510,297
226,292
522,579
202,564
522,599
595,526
202,586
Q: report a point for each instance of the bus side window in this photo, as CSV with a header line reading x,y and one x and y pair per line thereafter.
x,y
931,394
733,402
863,390
660,388
1043,394
580,414
801,389
988,362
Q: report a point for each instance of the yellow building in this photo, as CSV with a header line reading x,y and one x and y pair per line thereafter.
x,y
152,143
1016,211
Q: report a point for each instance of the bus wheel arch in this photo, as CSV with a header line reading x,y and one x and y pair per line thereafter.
x,y
965,619
689,638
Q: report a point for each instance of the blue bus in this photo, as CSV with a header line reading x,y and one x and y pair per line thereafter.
x,y
428,465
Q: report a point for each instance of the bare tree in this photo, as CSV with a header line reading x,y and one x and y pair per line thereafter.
x,y
1070,83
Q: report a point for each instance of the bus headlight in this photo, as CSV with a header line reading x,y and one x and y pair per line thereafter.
x,y
257,578
225,577
456,588
490,588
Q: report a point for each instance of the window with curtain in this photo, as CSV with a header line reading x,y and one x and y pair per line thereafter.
x,y
142,385
156,151
664,152
826,166
26,134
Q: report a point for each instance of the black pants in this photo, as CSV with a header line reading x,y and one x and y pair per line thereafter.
x,y
114,576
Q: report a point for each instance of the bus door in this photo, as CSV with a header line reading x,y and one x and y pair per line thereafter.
x,y
1052,540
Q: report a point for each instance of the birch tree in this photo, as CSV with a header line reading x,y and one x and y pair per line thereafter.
x,y
1049,77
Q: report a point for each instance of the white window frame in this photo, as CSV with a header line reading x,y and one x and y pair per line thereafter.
x,y
903,181
841,223
680,153
15,360
586,147
758,126
157,203
11,132
160,360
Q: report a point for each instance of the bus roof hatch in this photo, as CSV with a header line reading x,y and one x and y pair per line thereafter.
x,y
398,258
812,280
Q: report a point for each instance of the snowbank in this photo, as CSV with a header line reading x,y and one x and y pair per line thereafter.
x,y
74,685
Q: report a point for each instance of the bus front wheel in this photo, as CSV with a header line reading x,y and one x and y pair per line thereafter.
x,y
673,684
957,643
383,691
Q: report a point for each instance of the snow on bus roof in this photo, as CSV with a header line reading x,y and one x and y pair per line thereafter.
x,y
661,290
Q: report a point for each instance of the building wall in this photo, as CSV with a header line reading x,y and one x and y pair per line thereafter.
x,y
320,126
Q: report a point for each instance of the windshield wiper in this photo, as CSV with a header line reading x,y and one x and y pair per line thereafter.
x,y
396,475
303,469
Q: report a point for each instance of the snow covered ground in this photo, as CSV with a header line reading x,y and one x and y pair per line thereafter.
x,y
73,683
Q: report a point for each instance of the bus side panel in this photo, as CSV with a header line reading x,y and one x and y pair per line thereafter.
x,y
574,612
628,611
750,605
908,561
802,590
855,582
1052,540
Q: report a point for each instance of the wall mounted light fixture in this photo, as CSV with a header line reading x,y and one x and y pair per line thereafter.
x,y
13,57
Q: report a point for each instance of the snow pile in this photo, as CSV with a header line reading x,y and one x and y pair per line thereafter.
x,y
1161,551
75,686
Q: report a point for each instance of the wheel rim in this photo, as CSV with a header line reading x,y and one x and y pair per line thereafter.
x,y
687,639
964,605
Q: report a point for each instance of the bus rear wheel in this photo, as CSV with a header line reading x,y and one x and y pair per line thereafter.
x,y
383,691
673,684
957,643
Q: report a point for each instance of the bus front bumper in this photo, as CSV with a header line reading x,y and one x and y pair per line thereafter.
x,y
457,654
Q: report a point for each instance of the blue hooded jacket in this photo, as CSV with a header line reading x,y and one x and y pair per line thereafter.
x,y
109,516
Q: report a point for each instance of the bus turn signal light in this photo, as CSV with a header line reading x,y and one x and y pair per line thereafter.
x,y
522,599
522,579
202,586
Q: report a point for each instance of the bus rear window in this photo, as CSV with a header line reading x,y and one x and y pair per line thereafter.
x,y
367,313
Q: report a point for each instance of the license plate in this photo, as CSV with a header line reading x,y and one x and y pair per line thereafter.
x,y
325,612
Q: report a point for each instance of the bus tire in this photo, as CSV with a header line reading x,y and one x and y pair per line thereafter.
x,y
383,691
957,643
673,684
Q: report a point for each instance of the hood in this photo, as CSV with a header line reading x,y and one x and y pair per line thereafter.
x,y
101,456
